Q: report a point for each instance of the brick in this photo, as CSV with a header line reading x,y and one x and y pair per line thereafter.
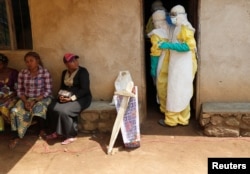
x,y
221,131
89,126
204,121
245,133
246,119
232,121
100,115
90,116
105,126
216,120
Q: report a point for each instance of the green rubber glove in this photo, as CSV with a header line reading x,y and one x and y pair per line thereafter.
x,y
154,64
180,47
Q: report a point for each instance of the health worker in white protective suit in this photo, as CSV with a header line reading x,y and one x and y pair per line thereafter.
x,y
157,35
159,58
156,5
181,70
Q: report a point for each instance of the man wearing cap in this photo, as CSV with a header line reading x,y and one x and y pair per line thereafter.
x,y
73,97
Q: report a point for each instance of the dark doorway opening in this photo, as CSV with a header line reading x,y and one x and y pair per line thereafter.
x,y
191,7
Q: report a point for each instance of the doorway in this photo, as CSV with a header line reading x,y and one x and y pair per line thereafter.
x,y
191,7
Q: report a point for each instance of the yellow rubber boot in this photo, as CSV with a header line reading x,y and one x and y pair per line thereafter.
x,y
184,116
171,118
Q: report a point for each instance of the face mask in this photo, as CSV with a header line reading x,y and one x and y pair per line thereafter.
x,y
174,20
169,21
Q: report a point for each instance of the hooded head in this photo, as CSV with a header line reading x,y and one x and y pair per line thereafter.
x,y
178,16
159,18
157,5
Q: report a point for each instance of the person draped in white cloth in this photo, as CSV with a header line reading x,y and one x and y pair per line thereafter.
x,y
181,70
160,58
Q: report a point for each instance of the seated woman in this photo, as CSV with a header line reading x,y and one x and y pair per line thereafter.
x,y
8,83
74,96
34,90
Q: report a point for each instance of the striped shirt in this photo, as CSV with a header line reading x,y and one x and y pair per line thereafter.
x,y
34,86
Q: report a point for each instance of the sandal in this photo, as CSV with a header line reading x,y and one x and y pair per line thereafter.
x,y
13,143
68,141
52,136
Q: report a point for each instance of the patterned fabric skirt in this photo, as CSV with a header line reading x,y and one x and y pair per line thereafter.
x,y
6,107
21,119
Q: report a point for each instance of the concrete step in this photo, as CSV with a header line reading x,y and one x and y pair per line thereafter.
x,y
100,116
225,119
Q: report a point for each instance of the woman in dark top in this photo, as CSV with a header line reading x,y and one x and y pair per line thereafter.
x,y
73,97
8,86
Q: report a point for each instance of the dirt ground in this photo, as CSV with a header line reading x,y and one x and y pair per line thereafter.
x,y
163,150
